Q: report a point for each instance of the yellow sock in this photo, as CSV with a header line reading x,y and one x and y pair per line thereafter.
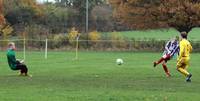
x,y
183,71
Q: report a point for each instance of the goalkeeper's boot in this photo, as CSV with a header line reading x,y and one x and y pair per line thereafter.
x,y
28,75
21,74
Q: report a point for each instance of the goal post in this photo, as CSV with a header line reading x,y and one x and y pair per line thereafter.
x,y
77,45
24,49
46,49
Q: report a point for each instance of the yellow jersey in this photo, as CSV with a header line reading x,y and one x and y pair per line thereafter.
x,y
185,48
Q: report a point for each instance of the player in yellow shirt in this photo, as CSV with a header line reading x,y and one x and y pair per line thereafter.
x,y
184,56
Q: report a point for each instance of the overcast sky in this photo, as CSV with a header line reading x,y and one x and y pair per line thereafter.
x,y
45,0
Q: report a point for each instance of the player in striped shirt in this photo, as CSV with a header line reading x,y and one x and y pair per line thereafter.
x,y
171,49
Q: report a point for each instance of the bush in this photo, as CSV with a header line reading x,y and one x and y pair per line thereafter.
x,y
58,41
118,40
94,36
73,35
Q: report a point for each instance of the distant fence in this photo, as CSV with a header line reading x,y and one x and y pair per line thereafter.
x,y
98,45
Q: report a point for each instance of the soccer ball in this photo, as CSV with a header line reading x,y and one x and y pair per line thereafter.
x,y
119,61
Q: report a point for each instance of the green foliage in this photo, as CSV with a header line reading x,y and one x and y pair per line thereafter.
x,y
117,40
94,39
79,6
58,41
21,15
105,22
21,11
94,36
55,18
7,30
73,34
35,31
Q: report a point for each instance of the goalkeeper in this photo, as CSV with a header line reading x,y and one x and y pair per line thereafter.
x,y
16,64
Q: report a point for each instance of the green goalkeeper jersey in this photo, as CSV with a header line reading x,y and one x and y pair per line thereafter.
x,y
11,59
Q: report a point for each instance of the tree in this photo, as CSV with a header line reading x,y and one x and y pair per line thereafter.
x,y
80,7
2,19
21,11
183,15
21,14
105,22
55,18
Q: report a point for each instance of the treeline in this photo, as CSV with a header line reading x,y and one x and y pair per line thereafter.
x,y
33,20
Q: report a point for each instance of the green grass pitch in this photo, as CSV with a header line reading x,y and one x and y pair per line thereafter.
x,y
160,34
96,77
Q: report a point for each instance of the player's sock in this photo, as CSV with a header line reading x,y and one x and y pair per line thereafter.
x,y
183,71
166,70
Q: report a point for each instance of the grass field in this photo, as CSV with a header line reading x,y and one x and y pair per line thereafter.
x,y
161,34
96,77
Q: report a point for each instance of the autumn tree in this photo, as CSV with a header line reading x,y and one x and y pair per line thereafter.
x,y
2,19
21,11
183,15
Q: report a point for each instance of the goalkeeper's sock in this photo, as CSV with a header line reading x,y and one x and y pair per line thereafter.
x,y
166,70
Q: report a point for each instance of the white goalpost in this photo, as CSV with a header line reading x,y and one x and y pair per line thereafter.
x,y
46,49
24,50
21,44
77,46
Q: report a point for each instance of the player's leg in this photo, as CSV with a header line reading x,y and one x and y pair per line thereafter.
x,y
166,69
164,57
183,71
23,69
158,62
181,67
188,77
18,67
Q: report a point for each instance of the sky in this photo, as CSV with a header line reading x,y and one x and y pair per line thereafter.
x,y
40,1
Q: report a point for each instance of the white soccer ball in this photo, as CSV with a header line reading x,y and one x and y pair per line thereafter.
x,y
119,61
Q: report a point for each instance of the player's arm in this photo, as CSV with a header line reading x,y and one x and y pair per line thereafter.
x,y
190,46
167,47
181,51
174,51
13,59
